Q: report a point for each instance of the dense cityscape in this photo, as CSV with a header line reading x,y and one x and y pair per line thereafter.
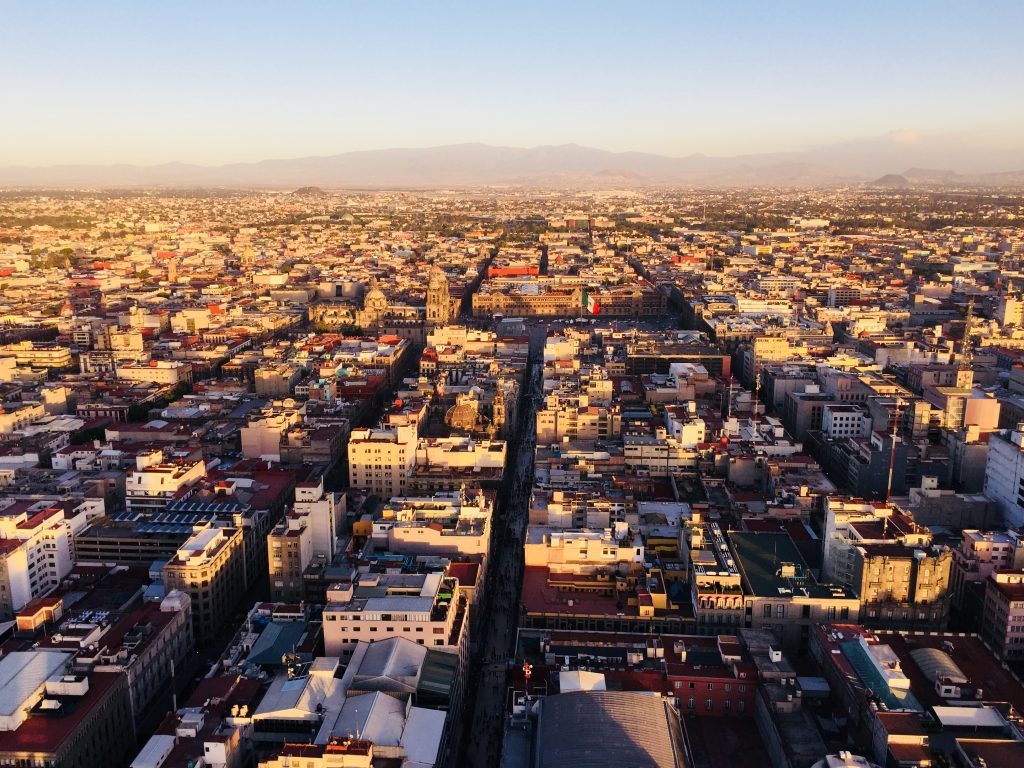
x,y
512,477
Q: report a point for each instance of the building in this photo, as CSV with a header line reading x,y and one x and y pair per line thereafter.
x,y
880,552
158,478
780,594
428,609
166,373
980,554
446,524
37,547
609,729
381,460
210,568
308,531
1002,623
1004,474
440,306
50,717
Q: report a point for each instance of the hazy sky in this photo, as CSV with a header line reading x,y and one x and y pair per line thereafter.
x,y
214,82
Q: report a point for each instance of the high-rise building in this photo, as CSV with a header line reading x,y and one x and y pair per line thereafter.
x,y
210,569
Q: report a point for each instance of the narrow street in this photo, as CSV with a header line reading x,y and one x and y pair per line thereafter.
x,y
492,660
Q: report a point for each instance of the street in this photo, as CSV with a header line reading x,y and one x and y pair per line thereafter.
x,y
490,664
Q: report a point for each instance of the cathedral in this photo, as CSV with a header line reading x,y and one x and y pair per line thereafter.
x,y
379,315
441,307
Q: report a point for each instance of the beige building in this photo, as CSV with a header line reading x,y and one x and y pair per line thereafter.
x,y
38,354
878,550
381,460
277,380
209,567
167,373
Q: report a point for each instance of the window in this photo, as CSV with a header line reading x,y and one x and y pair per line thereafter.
x,y
767,613
709,704
711,686
780,611
690,704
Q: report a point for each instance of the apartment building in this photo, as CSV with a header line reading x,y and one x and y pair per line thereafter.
x,y
36,549
381,460
878,550
1004,474
659,455
980,554
309,530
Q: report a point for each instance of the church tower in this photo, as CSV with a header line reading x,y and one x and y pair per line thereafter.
x,y
439,302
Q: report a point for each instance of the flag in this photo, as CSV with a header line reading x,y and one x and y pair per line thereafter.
x,y
590,304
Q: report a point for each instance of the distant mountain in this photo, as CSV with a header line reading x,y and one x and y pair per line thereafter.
x,y
928,177
309,192
568,165
892,180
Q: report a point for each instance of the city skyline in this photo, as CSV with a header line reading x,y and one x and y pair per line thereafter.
x,y
218,85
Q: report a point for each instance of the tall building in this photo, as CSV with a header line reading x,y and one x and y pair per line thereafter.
x,y
309,530
210,569
1004,474
36,550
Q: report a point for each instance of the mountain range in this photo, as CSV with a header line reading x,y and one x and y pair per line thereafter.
x,y
568,165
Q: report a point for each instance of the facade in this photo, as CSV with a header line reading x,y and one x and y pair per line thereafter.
x,y
210,569
309,530
440,307
780,594
880,552
155,481
36,550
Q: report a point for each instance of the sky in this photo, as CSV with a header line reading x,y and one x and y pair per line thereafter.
x,y
223,81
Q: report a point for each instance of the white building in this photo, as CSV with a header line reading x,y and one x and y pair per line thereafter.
x,y
155,481
36,547
422,608
443,524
